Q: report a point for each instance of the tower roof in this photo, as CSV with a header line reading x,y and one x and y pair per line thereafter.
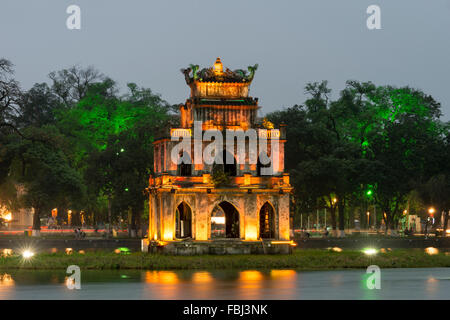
x,y
217,74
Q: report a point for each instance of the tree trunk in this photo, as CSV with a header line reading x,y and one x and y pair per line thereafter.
x,y
341,210
333,221
139,223
132,226
109,217
437,218
36,230
386,219
390,225
445,226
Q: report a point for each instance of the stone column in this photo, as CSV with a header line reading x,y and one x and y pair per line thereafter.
x,y
283,217
167,213
202,216
251,217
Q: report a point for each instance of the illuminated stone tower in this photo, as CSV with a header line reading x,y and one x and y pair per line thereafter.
x,y
199,201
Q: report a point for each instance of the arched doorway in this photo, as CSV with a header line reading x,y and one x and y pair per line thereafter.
x,y
225,221
185,167
183,221
223,163
267,222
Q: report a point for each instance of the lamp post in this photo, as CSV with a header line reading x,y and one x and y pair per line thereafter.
x,y
368,220
333,204
431,211
405,212
317,219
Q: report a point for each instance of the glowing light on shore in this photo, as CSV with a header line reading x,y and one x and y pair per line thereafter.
x,y
292,243
370,251
431,251
27,254
7,252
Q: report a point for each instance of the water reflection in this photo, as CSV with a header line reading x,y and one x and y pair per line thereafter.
x,y
228,284
248,284
161,277
6,286
6,280
202,277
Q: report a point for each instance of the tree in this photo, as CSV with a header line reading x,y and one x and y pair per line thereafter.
x,y
37,107
398,143
113,137
71,85
9,95
43,170
435,191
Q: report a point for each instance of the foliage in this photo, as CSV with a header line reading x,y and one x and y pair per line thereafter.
x,y
219,177
306,259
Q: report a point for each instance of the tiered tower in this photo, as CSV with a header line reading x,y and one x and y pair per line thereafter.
x,y
202,201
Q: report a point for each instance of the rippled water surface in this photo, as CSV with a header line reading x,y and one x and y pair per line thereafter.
x,y
429,283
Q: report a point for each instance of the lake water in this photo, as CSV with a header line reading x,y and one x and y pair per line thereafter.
x,y
427,283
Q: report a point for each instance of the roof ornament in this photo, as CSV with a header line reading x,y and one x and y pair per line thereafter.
x,y
216,73
267,124
252,70
218,67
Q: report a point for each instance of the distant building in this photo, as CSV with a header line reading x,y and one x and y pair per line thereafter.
x,y
16,219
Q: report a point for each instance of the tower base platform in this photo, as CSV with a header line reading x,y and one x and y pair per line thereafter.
x,y
217,247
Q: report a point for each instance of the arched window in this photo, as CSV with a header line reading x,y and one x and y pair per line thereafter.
x,y
225,221
183,225
259,166
267,222
185,167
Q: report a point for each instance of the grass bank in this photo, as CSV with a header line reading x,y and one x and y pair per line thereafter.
x,y
310,259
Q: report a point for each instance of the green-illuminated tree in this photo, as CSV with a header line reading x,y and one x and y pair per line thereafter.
x,y
383,137
323,162
114,137
395,129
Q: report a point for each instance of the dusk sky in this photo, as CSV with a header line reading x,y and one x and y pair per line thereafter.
x,y
294,42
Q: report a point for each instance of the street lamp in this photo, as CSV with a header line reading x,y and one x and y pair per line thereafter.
x,y
431,211
368,220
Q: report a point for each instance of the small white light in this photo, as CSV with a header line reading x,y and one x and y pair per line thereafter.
x,y
27,254
370,251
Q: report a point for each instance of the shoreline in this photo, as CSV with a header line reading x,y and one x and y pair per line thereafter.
x,y
303,259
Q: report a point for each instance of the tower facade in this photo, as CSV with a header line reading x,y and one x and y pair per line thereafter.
x,y
220,174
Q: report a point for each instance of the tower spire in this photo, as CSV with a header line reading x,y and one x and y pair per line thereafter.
x,y
218,67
